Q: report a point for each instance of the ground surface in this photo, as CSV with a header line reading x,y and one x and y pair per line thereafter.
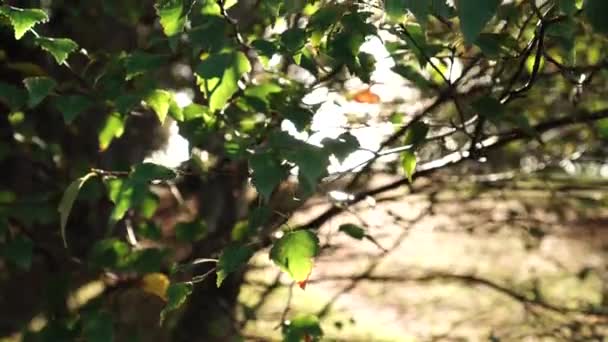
x,y
453,266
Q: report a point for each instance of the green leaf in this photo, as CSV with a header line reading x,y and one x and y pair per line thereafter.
x,y
67,201
474,15
60,48
300,117
602,128
159,101
38,88
148,260
190,231
113,127
125,194
397,9
146,172
352,230
12,96
416,42
442,8
264,47
521,120
325,17
294,253
312,163
98,327
342,146
109,253
408,162
149,205
149,230
293,39
563,34
420,9
267,173
176,297
19,251
567,6
211,8
240,231
193,111
139,63
302,328
71,106
219,75
490,108
175,111
416,134
232,258
258,218
495,45
172,16
410,73
530,61
23,19
595,11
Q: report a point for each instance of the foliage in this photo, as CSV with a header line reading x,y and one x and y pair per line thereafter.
x,y
76,106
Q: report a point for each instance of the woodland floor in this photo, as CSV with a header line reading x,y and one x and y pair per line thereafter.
x,y
453,265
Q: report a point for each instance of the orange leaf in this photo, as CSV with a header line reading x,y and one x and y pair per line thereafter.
x,y
366,96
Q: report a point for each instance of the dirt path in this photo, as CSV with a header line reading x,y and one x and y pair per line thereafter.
x,y
407,293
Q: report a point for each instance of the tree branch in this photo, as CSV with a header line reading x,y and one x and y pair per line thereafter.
x,y
457,157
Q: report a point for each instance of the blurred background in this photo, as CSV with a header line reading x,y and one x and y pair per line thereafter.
x,y
499,243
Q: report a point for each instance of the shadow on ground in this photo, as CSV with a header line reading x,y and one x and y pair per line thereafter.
x,y
523,260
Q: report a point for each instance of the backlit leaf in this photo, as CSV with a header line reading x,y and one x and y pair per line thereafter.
x,y
219,75
408,162
23,19
113,128
159,101
125,194
172,16
294,253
